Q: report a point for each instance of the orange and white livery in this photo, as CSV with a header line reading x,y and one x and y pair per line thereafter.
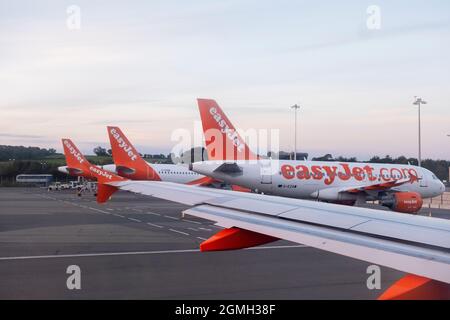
x,y
399,187
129,163
416,245
75,161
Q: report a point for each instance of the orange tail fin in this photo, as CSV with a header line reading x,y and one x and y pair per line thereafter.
x,y
127,159
77,162
221,138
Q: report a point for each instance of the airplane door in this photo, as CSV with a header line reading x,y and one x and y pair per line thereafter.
x,y
266,172
423,180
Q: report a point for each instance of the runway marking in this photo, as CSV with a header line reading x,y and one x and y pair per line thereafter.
x,y
100,254
278,247
154,225
95,209
192,229
153,213
191,221
97,254
118,215
173,218
135,220
202,238
206,229
177,231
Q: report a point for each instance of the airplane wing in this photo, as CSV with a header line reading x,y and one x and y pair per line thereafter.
x,y
413,244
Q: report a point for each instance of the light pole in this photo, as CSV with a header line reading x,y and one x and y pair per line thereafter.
x,y
295,107
419,102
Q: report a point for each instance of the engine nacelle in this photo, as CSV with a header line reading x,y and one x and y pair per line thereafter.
x,y
406,202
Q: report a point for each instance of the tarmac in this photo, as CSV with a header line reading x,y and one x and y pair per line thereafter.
x,y
138,247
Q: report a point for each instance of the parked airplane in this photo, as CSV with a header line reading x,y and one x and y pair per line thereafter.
x,y
75,161
399,187
413,244
129,163
73,158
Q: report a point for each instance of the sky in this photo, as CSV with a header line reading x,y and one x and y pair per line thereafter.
x,y
141,65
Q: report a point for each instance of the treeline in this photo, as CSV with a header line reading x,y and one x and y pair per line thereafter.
x,y
43,161
16,160
24,153
10,169
103,152
439,167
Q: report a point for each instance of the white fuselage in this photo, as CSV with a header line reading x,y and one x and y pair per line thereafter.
x,y
168,172
321,180
164,172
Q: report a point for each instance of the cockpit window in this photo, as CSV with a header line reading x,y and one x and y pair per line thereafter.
x,y
434,177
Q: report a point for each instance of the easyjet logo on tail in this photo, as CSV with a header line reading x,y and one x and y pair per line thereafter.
x,y
225,128
74,152
128,149
101,172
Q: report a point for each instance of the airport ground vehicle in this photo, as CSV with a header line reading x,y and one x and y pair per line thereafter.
x,y
59,186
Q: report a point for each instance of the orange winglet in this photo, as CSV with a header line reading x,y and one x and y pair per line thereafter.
x,y
235,238
104,192
413,287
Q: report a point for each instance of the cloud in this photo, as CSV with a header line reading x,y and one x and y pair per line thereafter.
x,y
20,136
363,35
